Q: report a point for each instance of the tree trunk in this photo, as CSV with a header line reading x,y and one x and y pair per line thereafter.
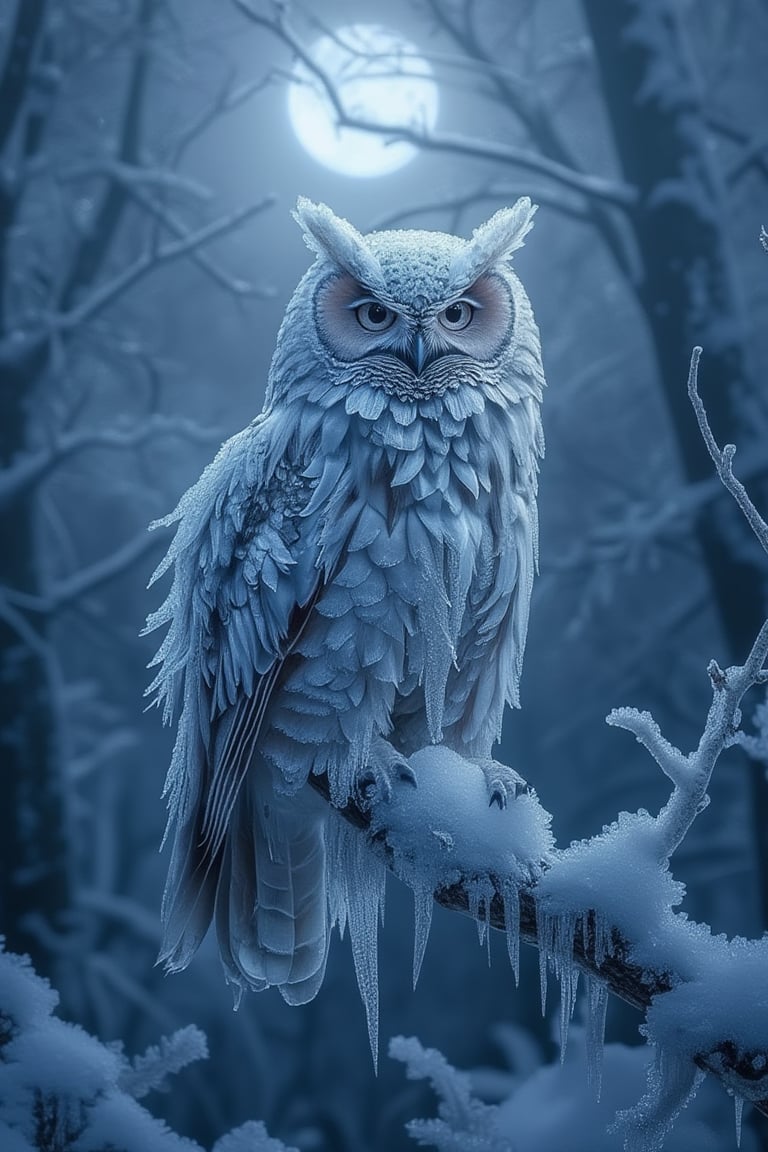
x,y
36,881
689,291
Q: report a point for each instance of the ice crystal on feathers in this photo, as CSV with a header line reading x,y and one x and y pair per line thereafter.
x,y
351,582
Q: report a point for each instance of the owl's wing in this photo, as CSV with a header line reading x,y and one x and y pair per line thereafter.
x,y
244,583
490,649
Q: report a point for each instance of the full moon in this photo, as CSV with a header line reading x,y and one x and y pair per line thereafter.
x,y
379,77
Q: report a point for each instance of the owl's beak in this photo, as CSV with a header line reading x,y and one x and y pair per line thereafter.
x,y
418,354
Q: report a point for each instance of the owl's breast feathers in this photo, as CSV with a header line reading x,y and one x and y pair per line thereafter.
x,y
424,522
347,553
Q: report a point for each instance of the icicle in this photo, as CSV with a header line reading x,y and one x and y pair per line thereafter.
x,y
544,940
738,1108
603,942
423,903
511,898
364,902
480,892
597,1004
356,899
567,972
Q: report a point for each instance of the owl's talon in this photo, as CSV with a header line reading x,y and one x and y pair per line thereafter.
x,y
498,796
385,766
504,784
407,774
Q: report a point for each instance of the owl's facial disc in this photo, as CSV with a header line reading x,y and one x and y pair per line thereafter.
x,y
356,324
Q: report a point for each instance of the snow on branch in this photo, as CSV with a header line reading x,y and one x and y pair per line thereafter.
x,y
605,907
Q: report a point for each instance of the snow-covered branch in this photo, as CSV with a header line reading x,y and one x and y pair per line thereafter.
x,y
604,907
612,192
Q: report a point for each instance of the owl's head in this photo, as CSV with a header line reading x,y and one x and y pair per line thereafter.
x,y
412,311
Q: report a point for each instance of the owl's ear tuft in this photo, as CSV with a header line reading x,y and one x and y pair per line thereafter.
x,y
493,242
335,238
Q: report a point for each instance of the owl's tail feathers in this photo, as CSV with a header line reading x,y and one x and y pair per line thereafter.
x,y
271,906
190,891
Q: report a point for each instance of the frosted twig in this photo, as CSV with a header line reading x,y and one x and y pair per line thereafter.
x,y
610,191
691,774
723,457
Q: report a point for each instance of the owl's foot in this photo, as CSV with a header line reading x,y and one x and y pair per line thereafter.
x,y
384,768
503,783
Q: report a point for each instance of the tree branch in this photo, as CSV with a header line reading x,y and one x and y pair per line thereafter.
x,y
64,322
65,592
610,191
723,458
572,904
33,467
13,82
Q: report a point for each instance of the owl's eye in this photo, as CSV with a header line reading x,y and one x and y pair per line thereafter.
x,y
456,316
374,317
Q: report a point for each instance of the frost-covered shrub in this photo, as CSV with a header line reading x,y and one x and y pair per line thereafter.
x,y
551,1109
62,1090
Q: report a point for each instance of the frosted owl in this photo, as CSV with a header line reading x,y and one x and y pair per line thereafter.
x,y
351,580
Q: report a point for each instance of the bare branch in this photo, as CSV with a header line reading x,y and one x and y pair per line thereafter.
x,y
129,175
33,467
21,626
21,47
723,458
72,588
87,580
108,292
174,224
456,203
229,98
610,191
111,290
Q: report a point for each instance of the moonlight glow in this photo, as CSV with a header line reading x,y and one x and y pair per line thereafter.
x,y
379,77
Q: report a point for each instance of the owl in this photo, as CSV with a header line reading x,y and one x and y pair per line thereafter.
x,y
351,578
